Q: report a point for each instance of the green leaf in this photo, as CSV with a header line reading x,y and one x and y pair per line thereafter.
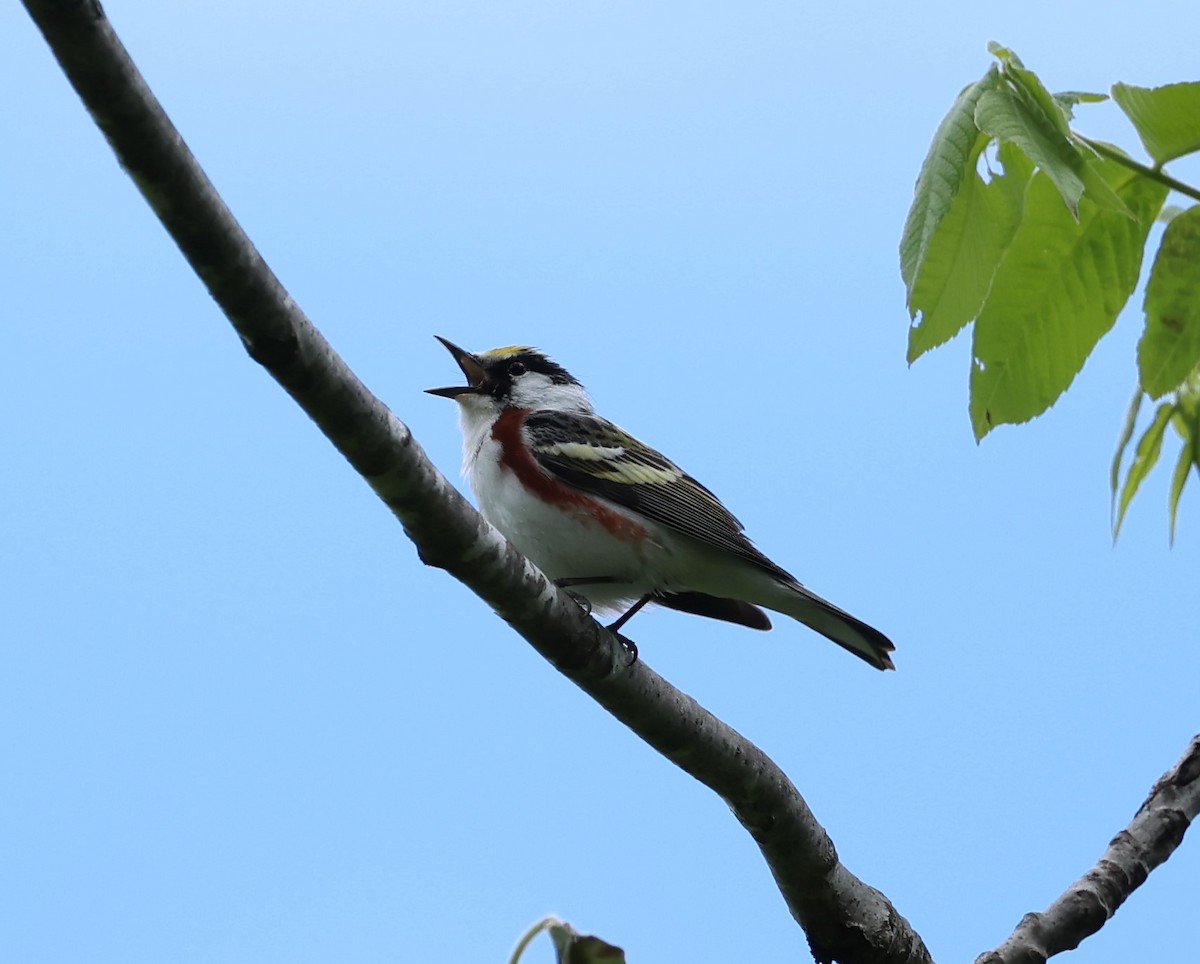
x,y
1167,118
1188,456
1023,111
1169,213
1098,189
1069,99
1114,476
1035,91
962,257
570,947
1169,349
1145,456
1058,289
1186,421
1003,54
1010,117
949,162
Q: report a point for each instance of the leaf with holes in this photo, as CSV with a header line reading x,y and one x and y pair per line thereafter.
x,y
1058,289
965,252
949,162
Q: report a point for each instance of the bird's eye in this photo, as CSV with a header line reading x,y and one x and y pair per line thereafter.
x,y
516,368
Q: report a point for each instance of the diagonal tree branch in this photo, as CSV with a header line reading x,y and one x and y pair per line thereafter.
x,y
845,919
1152,836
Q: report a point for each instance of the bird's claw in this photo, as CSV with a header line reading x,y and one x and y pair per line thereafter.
x,y
629,646
579,599
585,604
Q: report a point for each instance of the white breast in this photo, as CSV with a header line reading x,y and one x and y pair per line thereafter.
x,y
563,543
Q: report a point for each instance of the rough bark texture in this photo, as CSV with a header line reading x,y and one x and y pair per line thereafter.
x,y
1152,836
844,919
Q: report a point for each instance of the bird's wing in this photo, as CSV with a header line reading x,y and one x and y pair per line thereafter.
x,y
594,455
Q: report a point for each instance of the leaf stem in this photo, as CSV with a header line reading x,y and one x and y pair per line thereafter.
x,y
544,924
1154,173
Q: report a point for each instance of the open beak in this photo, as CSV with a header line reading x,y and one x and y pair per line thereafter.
x,y
470,367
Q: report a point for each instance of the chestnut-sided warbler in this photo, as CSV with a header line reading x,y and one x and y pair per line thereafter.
x,y
608,517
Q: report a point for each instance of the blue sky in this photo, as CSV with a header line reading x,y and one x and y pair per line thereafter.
x,y
239,721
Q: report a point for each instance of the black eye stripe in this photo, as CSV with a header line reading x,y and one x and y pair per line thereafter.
x,y
531,361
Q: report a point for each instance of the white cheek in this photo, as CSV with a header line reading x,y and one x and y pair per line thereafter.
x,y
530,390
537,391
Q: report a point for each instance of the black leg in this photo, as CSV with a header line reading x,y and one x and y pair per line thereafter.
x,y
629,613
565,585
570,581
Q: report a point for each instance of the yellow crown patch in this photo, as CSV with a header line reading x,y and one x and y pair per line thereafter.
x,y
506,351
